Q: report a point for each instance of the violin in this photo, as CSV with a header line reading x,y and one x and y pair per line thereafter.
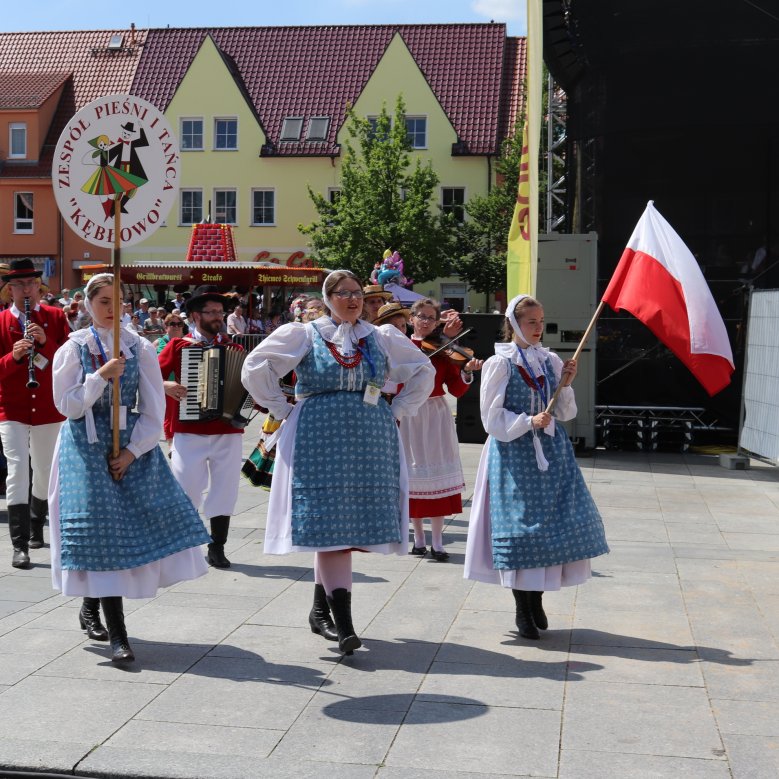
x,y
459,355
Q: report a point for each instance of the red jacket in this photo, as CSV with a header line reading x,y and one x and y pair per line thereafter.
x,y
17,403
448,373
170,362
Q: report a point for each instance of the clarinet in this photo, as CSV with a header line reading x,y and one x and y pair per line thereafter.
x,y
32,382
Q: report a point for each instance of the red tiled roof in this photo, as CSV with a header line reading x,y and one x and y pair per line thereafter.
x,y
28,90
94,71
317,71
513,94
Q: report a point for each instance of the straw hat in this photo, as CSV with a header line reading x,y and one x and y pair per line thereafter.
x,y
389,310
375,289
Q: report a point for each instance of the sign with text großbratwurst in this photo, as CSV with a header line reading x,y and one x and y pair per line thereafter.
x,y
116,153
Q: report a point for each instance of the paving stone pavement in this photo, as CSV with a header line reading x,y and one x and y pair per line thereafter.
x,y
665,664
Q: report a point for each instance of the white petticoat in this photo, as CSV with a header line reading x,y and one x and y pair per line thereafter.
x,y
432,451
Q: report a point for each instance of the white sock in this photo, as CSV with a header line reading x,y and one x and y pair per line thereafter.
x,y
419,532
437,528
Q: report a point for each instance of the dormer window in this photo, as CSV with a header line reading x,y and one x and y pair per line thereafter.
x,y
318,127
291,129
17,141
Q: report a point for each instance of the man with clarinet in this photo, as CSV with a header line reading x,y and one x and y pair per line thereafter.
x,y
29,422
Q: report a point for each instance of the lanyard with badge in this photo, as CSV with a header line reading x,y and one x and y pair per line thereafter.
x,y
122,409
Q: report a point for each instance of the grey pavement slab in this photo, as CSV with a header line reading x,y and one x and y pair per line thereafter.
x,y
663,665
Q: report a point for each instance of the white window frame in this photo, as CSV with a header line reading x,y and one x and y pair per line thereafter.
x,y
417,117
182,192
333,193
216,206
218,119
264,224
465,200
323,137
14,126
290,139
202,132
21,226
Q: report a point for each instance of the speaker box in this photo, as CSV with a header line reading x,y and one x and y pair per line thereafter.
x,y
486,331
468,422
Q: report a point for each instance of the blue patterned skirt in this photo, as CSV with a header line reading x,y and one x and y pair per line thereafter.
x,y
345,482
108,525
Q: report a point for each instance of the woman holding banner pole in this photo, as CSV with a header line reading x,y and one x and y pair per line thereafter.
x,y
120,524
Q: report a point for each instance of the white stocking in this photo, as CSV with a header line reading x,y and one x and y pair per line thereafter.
x,y
419,532
437,527
335,570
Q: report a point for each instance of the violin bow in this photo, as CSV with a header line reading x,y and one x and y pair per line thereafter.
x,y
450,341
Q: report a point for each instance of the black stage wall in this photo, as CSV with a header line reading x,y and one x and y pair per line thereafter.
x,y
672,102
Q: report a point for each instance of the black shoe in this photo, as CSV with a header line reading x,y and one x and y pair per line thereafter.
x,y
216,556
524,616
319,618
340,603
89,619
20,559
439,557
216,549
36,535
39,510
419,551
539,615
19,525
121,651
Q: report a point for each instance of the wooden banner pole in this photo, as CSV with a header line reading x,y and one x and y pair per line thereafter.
x,y
576,354
117,395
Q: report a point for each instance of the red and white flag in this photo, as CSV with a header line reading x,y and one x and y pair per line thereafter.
x,y
658,281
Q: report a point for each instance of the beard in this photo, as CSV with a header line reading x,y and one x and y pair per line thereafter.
x,y
210,327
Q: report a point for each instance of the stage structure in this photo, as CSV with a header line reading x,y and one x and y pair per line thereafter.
x,y
652,115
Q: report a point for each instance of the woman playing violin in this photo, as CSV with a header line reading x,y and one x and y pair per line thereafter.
x,y
430,440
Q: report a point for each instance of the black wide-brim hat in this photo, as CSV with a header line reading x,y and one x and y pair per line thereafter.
x,y
209,293
21,269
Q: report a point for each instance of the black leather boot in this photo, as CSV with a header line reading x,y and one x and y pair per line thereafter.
x,y
216,549
524,619
537,607
319,617
89,619
340,603
19,525
113,610
39,510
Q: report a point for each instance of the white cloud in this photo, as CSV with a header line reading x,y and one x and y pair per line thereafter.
x,y
500,10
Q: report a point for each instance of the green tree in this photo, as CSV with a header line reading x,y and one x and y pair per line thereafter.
x,y
385,202
481,249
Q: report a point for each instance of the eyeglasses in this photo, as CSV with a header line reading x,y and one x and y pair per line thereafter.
x,y
175,324
347,294
423,318
26,283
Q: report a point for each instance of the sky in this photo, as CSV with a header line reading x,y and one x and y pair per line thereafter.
x,y
82,15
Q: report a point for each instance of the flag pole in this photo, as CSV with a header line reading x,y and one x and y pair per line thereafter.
x,y
576,354
117,397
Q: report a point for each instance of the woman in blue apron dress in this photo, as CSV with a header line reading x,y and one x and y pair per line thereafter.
x,y
534,526
121,526
339,479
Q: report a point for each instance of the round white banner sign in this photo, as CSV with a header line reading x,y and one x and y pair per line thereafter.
x,y
118,153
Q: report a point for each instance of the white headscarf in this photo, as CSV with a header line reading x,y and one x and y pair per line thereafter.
x,y
541,460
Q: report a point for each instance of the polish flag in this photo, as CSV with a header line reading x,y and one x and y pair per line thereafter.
x,y
659,282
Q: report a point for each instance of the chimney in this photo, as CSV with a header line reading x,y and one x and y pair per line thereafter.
x,y
132,33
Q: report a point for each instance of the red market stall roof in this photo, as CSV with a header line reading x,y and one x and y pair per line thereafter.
x,y
221,274
211,243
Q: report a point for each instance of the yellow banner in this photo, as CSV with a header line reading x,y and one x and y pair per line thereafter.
x,y
520,272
